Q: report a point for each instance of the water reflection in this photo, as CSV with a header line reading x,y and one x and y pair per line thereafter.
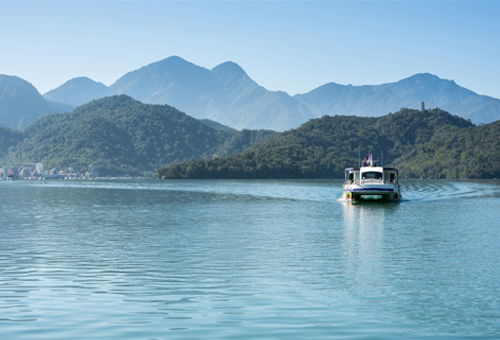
x,y
363,244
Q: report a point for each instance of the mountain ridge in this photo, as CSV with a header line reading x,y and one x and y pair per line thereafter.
x,y
228,95
371,100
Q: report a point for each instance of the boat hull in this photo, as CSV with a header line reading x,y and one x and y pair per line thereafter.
x,y
360,194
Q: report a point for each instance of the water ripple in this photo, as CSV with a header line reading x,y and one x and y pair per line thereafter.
x,y
247,259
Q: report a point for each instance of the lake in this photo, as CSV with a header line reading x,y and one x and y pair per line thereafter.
x,y
248,259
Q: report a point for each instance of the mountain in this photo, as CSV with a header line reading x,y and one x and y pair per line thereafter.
x,y
174,81
376,100
225,94
430,144
245,104
21,104
78,91
120,135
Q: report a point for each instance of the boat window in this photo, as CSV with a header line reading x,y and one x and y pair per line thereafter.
x,y
371,175
392,177
351,177
356,176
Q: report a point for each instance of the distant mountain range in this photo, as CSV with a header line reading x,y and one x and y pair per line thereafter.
x,y
376,100
21,104
122,136
227,95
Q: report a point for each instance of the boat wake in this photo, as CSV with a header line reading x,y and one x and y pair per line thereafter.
x,y
427,190
303,190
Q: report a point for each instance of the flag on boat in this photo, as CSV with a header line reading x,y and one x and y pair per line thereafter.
x,y
368,160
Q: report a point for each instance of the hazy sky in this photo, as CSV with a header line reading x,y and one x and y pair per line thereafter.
x,y
294,46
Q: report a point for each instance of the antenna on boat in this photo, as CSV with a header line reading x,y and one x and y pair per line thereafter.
x,y
382,158
359,156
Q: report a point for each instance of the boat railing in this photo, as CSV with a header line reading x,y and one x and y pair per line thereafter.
x,y
372,181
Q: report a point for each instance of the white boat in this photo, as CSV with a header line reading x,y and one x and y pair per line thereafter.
x,y
370,181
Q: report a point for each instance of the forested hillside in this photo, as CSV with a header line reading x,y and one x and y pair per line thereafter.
x,y
456,153
120,135
323,147
8,138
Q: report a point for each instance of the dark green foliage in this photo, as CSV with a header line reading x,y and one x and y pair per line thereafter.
x,y
241,140
473,152
323,147
121,136
8,138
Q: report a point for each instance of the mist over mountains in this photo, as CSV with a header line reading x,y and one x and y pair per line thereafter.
x,y
227,95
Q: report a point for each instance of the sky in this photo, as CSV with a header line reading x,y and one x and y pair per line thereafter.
x,y
293,46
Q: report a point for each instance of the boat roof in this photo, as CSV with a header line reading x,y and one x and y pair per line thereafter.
x,y
357,169
371,168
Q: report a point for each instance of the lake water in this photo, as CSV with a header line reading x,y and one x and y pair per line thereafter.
x,y
247,260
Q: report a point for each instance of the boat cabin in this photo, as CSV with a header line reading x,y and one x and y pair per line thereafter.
x,y
351,175
371,174
391,175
